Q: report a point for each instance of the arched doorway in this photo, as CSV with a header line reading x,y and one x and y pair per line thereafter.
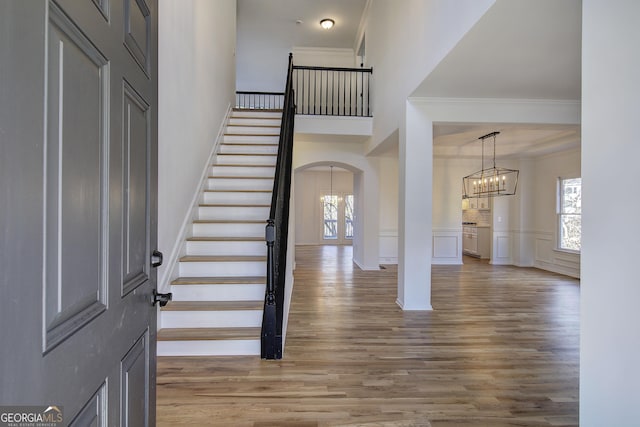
x,y
324,205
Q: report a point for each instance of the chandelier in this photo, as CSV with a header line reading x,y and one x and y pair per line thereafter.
x,y
329,199
490,182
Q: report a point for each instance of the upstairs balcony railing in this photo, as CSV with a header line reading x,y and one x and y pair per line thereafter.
x,y
323,91
331,91
259,100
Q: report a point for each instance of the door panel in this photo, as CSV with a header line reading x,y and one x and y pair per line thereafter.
x,y
134,376
75,181
135,149
78,155
137,26
94,413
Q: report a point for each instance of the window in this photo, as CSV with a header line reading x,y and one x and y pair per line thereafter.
x,y
569,213
337,218
330,217
348,216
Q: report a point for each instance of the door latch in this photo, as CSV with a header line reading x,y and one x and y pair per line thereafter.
x,y
156,258
163,299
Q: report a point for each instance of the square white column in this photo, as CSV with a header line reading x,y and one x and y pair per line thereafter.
x,y
415,213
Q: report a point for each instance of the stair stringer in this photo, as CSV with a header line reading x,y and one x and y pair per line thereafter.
x,y
192,311
170,272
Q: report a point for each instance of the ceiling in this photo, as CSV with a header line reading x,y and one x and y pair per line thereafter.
x,y
290,23
461,140
524,49
520,49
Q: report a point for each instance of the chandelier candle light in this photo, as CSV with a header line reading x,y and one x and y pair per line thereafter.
x,y
490,182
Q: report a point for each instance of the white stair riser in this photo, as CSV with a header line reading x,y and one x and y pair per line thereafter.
x,y
229,230
239,198
251,130
239,184
260,114
255,122
251,139
211,319
248,149
231,292
209,348
218,248
222,269
245,171
233,213
241,159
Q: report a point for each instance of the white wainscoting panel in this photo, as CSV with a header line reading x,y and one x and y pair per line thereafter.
x,y
501,248
544,248
447,246
388,251
551,259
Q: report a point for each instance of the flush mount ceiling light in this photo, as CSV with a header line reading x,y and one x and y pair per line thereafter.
x,y
490,182
327,23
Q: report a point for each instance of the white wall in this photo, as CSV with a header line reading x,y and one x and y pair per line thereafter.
x,y
610,288
310,186
447,208
547,171
521,216
261,63
196,87
349,155
523,226
405,40
323,57
388,208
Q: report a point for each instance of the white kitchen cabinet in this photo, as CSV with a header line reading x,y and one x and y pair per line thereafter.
x,y
483,241
483,203
476,241
470,240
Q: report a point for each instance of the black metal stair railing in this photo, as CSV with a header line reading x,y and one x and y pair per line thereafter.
x,y
332,91
276,233
321,91
259,100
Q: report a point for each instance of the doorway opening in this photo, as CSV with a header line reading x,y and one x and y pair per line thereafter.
x,y
325,206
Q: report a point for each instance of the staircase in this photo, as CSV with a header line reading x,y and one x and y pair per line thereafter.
x,y
219,295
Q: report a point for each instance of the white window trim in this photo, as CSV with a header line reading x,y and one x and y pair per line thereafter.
x,y
559,214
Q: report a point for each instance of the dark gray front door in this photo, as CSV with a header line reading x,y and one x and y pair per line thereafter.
x,y
78,149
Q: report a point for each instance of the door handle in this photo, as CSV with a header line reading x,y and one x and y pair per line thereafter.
x,y
163,299
156,258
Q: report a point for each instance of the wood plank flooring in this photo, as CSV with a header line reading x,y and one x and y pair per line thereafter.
x,y
499,349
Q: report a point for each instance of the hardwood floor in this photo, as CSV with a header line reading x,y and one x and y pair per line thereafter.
x,y
499,349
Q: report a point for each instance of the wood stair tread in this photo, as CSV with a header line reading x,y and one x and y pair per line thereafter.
x,y
257,110
242,280
223,258
253,126
231,205
251,144
239,177
208,334
248,154
213,305
252,134
225,239
237,191
244,165
256,117
230,221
